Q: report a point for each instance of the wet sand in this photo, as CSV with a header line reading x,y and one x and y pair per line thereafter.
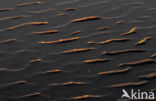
x,y
76,50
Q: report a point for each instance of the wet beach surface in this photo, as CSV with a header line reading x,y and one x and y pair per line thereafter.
x,y
76,50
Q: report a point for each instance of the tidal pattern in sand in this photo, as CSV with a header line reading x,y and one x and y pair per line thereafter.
x,y
71,50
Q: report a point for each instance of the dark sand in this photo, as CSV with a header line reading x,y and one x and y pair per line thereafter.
x,y
68,68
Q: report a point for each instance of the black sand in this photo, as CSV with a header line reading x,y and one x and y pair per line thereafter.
x,y
31,71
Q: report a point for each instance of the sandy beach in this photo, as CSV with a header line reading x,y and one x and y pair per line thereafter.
x,y
76,50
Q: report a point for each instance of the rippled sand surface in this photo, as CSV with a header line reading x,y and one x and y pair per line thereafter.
x,y
76,50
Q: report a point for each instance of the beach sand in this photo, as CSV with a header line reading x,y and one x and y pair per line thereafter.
x,y
76,50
